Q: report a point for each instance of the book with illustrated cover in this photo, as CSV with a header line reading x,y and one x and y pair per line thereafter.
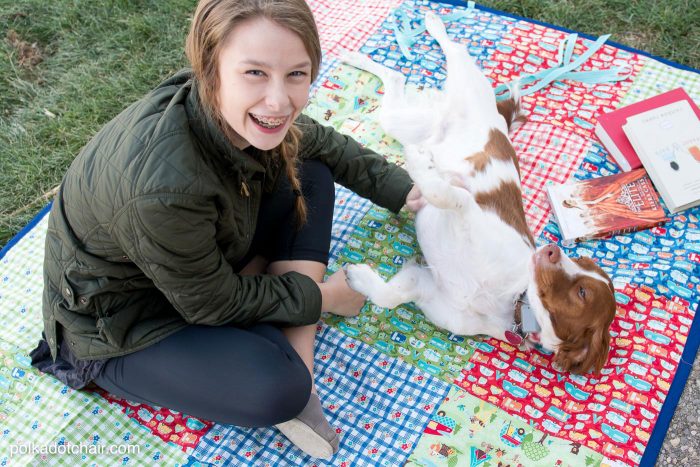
x,y
605,206
667,140
609,126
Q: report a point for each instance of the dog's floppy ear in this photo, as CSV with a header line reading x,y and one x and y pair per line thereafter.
x,y
584,352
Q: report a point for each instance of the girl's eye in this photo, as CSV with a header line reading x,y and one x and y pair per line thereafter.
x,y
255,73
582,292
297,73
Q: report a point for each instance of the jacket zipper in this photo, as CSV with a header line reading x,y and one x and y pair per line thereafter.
x,y
245,192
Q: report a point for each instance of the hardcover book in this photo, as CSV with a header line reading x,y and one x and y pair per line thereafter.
x,y
605,206
667,140
609,127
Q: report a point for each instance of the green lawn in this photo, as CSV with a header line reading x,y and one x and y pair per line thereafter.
x,y
68,66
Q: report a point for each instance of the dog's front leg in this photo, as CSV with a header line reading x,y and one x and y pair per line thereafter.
x,y
434,186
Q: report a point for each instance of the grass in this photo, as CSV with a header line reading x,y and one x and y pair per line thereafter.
x,y
67,67
668,29
93,58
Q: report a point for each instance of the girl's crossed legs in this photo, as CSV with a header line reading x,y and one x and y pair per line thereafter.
x,y
256,376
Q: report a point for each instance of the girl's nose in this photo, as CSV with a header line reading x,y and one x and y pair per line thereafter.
x,y
277,97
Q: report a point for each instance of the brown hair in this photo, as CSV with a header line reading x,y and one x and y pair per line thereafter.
x,y
213,22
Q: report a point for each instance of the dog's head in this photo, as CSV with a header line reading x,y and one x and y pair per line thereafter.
x,y
574,303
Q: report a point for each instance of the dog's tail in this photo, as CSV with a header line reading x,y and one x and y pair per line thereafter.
x,y
511,111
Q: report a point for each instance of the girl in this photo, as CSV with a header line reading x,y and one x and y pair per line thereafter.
x,y
188,243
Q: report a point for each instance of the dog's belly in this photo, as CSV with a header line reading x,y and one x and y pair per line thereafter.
x,y
479,263
442,242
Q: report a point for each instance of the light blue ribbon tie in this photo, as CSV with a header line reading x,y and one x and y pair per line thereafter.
x,y
563,70
406,37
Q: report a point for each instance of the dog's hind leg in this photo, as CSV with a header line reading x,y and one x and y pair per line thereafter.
x,y
466,85
406,286
398,115
392,80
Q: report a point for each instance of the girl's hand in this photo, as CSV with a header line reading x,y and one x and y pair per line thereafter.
x,y
338,298
414,199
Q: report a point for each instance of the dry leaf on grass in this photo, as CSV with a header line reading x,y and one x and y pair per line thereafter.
x,y
29,55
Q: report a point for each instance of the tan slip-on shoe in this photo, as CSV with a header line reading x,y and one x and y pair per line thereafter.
x,y
311,432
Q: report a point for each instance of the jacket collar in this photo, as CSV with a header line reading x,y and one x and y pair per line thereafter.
x,y
212,138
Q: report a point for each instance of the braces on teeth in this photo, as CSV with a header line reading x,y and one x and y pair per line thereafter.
x,y
268,123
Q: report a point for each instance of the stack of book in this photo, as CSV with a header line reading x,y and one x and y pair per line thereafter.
x,y
655,140
662,134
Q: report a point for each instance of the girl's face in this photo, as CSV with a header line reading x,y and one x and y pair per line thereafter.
x,y
264,76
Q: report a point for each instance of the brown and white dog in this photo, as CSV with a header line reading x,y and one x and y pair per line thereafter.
x,y
481,257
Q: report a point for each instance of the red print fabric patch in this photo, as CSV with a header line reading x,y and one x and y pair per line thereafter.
x,y
614,412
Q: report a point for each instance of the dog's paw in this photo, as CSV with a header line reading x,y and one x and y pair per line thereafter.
x,y
356,59
361,278
434,24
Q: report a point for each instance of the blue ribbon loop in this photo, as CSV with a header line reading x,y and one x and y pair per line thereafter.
x,y
406,37
564,70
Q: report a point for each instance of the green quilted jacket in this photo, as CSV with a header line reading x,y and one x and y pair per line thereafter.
x,y
154,211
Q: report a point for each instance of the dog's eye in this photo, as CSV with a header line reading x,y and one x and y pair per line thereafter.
x,y
582,293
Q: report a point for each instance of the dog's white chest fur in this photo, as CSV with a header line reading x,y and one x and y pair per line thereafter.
x,y
477,273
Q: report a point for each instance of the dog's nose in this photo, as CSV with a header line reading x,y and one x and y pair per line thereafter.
x,y
552,253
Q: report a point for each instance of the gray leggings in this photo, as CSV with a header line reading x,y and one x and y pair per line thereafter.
x,y
245,377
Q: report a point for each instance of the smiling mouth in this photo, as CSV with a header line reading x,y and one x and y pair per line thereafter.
x,y
270,123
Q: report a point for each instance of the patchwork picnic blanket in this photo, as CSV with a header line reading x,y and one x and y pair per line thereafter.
x,y
399,390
